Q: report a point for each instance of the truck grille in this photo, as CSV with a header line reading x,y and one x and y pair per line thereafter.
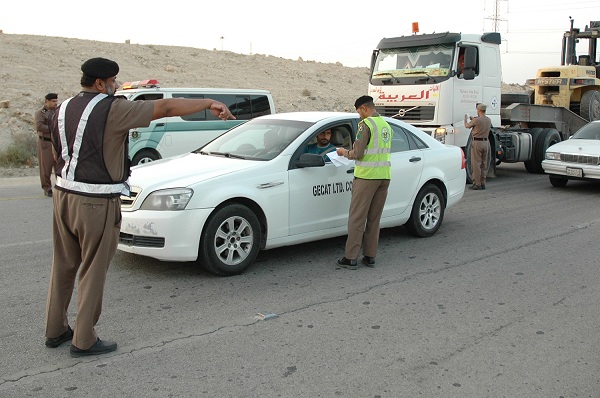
x,y
142,241
422,113
577,158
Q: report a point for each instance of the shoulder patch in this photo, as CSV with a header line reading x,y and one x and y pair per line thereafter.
x,y
385,134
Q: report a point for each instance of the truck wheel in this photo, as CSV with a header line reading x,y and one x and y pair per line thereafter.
x,y
546,138
514,98
590,105
427,212
529,164
557,181
230,241
144,156
468,160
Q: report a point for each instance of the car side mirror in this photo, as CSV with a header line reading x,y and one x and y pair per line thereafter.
x,y
310,160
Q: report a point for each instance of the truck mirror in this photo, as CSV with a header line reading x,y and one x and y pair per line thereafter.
x,y
468,74
470,58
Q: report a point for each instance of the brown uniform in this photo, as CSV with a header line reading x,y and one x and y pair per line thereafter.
x,y
86,231
479,149
366,204
43,119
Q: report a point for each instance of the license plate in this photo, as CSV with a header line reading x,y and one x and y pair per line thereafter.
x,y
574,172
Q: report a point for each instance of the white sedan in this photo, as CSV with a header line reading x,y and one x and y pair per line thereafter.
x,y
576,158
254,188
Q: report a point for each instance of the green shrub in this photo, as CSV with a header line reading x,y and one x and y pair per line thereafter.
x,y
21,152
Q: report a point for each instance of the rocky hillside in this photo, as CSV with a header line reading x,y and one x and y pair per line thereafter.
x,y
31,66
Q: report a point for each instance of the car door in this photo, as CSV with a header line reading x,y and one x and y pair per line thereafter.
x,y
320,196
407,165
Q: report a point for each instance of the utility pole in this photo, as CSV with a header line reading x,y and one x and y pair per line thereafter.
x,y
496,17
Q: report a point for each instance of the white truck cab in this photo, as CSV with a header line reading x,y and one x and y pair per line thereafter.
x,y
423,80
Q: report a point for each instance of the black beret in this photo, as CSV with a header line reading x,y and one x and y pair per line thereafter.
x,y
100,67
365,99
51,96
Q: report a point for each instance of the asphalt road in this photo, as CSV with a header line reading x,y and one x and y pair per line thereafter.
x,y
501,302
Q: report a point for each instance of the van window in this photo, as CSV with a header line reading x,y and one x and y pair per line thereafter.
x,y
148,97
194,117
243,107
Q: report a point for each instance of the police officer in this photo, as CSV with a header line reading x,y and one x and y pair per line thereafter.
x,y
480,128
43,120
89,136
372,173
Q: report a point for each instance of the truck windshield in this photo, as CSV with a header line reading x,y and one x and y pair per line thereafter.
x,y
408,65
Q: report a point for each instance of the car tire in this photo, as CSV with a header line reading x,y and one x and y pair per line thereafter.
x,y
230,241
558,181
145,156
427,212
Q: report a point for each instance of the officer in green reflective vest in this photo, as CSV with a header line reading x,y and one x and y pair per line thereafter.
x,y
372,173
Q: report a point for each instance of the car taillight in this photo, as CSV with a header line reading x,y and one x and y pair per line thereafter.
x,y
463,163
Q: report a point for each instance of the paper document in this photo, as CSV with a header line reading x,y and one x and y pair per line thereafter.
x,y
338,160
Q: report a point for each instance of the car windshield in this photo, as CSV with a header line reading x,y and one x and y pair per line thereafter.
x,y
590,131
258,139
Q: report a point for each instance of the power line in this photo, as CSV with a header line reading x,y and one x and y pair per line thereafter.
x,y
495,18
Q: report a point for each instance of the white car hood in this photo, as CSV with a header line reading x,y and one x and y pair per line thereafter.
x,y
182,171
584,147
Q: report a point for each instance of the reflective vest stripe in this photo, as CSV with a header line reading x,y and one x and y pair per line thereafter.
x,y
102,189
376,164
375,151
64,154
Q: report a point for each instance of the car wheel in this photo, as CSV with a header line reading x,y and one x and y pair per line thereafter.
x,y
557,181
427,212
144,156
469,166
230,241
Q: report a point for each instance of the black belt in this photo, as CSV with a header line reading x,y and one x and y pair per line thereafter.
x,y
480,139
44,138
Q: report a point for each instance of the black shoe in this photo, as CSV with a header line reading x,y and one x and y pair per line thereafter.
x,y
48,193
99,347
476,187
56,341
347,263
482,186
368,261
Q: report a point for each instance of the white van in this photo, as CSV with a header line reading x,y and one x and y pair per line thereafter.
x,y
170,136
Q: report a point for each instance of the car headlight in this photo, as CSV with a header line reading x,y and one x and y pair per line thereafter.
x,y
553,155
168,199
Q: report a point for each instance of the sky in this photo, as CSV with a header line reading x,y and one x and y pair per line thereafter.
x,y
314,30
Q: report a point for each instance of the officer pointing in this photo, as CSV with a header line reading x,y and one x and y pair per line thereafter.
x,y
89,138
